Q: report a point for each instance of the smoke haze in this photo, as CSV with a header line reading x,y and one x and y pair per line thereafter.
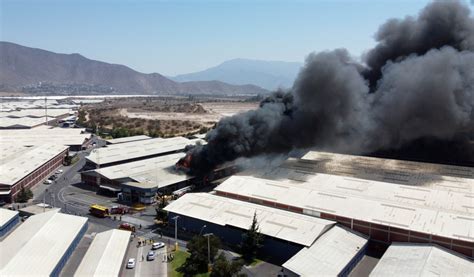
x,y
416,83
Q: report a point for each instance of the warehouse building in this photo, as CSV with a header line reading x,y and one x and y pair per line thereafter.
x,y
121,153
383,211
8,220
41,245
139,181
335,253
31,118
126,139
37,113
285,232
75,139
24,167
105,255
408,259
25,123
384,170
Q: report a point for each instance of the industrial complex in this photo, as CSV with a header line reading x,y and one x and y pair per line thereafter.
x,y
321,214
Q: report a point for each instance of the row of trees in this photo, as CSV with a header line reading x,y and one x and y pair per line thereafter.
x,y
197,262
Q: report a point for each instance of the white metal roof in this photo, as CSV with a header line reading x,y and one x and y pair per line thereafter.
x,y
38,136
328,255
404,259
147,173
38,244
136,149
127,139
14,169
6,215
437,212
24,122
289,226
35,113
87,101
105,255
385,170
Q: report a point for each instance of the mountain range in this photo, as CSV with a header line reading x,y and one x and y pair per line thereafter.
x,y
270,75
29,69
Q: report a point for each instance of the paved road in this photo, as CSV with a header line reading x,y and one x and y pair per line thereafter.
x,y
144,267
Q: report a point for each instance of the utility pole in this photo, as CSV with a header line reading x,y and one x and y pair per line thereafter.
x,y
208,250
46,109
176,232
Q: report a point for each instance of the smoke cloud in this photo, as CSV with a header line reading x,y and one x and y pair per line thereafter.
x,y
416,83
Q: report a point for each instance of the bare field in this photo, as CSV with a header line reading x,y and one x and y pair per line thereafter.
x,y
163,117
214,111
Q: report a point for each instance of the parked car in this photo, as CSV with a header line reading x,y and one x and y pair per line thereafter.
x,y
157,245
59,171
131,263
48,182
53,177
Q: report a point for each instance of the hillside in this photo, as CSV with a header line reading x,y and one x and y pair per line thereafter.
x,y
35,70
266,74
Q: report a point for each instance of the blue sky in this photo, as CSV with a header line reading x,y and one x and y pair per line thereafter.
x,y
173,37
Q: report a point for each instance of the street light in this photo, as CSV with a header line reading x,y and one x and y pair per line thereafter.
x,y
204,226
208,248
176,232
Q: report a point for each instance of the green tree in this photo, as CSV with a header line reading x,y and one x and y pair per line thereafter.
x,y
251,241
197,262
24,195
224,268
161,214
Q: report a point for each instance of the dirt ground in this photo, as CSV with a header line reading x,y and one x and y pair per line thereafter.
x,y
214,112
163,117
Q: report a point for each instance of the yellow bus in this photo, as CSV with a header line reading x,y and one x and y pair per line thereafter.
x,y
98,210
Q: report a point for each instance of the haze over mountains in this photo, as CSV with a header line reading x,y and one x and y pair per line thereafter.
x,y
35,70
266,74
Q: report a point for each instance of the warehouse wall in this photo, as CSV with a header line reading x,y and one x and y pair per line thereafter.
x,y
9,225
278,250
38,175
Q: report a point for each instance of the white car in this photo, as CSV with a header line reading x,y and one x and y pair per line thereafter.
x,y
48,182
150,256
157,245
131,263
59,171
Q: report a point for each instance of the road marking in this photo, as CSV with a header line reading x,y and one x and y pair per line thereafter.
x,y
139,261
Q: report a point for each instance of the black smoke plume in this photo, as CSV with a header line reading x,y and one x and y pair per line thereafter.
x,y
416,84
